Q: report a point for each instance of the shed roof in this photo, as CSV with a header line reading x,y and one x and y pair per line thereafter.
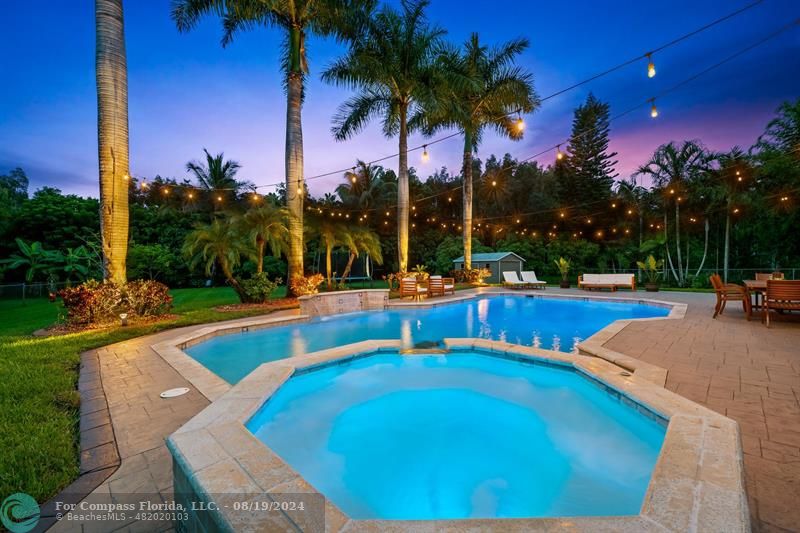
x,y
489,257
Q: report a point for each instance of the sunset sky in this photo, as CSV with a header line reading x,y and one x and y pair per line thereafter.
x,y
187,93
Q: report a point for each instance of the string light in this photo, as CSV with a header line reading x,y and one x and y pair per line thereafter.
x,y
653,108
494,183
559,153
520,122
165,190
651,68
190,195
425,156
219,198
126,177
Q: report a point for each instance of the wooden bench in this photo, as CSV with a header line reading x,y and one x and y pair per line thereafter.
x,y
607,281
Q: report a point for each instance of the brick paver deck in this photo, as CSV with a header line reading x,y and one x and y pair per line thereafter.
x,y
738,368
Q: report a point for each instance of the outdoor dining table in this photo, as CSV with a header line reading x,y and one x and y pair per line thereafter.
x,y
757,287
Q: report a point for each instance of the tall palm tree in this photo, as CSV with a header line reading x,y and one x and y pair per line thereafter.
x,y
362,240
217,243
331,234
364,187
217,174
265,226
112,136
670,168
484,89
734,168
296,19
391,66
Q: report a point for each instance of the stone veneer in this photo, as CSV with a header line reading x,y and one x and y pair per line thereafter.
x,y
697,483
338,302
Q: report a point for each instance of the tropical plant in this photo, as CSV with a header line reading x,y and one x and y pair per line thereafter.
x,y
296,19
331,234
563,267
259,288
266,227
112,136
302,285
33,258
364,187
217,175
421,272
217,243
74,262
391,65
362,240
671,167
483,90
651,268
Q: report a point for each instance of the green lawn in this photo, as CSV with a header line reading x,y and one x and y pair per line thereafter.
x,y
38,398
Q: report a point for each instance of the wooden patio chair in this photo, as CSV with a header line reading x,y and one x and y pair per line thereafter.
x,y
449,285
727,292
435,286
781,295
411,287
763,276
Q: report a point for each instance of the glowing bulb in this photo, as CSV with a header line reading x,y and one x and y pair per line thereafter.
x,y
613,205
520,124
353,179
494,183
449,199
299,189
653,110
425,156
190,195
387,213
559,153
126,177
651,68
144,185
563,215
219,198
166,190
630,211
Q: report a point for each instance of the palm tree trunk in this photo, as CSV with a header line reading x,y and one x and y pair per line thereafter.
x,y
294,173
328,265
402,194
260,244
666,248
705,250
467,192
112,136
678,241
641,227
727,251
348,267
226,271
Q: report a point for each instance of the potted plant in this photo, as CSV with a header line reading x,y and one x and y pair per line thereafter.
x,y
563,268
652,270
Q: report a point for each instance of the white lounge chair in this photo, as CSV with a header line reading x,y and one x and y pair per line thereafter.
x,y
529,277
510,279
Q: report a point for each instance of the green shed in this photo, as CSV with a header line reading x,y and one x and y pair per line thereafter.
x,y
496,262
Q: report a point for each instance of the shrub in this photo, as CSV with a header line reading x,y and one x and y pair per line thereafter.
x,y
259,288
302,285
95,303
472,275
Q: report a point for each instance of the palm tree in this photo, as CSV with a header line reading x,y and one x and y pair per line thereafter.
x,y
391,66
296,19
217,243
362,240
484,89
733,171
331,234
632,194
112,136
670,168
364,187
266,226
217,174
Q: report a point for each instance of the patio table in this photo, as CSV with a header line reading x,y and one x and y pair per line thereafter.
x,y
757,287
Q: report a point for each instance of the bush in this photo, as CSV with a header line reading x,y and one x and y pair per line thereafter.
x,y
95,303
302,285
473,275
259,288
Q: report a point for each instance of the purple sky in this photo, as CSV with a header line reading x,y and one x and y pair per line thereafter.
x,y
187,92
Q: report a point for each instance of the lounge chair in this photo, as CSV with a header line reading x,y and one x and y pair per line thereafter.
x,y
729,292
781,295
607,281
529,277
411,287
511,279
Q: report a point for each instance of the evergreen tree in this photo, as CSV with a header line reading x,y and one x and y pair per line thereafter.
x,y
589,167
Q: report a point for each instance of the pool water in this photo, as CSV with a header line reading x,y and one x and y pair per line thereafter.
x,y
551,323
466,435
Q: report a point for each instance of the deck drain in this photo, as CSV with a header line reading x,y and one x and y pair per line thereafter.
x,y
626,374
172,393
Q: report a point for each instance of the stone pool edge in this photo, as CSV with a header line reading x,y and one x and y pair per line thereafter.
x,y
212,386
697,483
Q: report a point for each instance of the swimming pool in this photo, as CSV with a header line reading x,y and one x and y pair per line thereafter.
x,y
550,323
463,435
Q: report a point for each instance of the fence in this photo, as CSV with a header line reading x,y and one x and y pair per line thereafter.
x,y
29,290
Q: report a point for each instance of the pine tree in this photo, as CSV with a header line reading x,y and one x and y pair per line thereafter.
x,y
589,168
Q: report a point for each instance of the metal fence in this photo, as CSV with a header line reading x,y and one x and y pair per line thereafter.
x,y
29,290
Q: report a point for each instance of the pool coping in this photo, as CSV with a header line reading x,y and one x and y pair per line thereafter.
x,y
697,483
212,386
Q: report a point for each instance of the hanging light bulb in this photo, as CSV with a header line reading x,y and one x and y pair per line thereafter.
x,y
520,122
126,177
653,109
166,190
190,195
559,153
494,183
425,156
651,68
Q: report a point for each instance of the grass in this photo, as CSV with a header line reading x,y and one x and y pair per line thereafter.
x,y
38,399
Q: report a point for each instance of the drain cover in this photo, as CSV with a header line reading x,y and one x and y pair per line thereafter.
x,y
172,393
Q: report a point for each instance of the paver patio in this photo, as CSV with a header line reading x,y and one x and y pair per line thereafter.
x,y
738,368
